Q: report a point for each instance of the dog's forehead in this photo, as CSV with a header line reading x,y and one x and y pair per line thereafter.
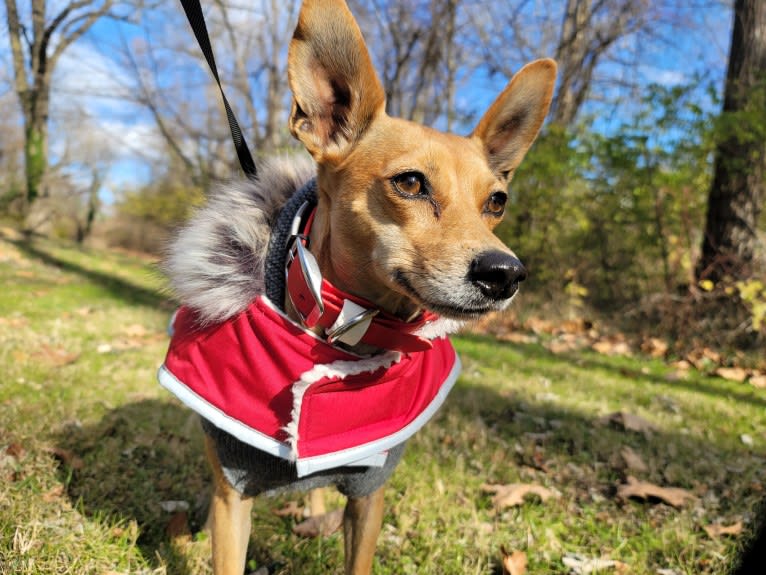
x,y
400,145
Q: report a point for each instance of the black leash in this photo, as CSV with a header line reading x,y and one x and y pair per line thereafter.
x,y
197,21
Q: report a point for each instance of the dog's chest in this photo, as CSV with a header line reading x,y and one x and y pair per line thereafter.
x,y
279,388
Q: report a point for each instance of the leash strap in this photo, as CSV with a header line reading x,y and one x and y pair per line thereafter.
x,y
196,19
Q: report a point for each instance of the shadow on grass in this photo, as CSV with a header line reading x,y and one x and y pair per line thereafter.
x,y
119,287
592,361
136,457
150,451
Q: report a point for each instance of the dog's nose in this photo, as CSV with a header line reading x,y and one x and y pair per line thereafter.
x,y
497,274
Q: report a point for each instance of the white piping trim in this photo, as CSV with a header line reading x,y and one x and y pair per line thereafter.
x,y
338,370
308,465
219,418
371,453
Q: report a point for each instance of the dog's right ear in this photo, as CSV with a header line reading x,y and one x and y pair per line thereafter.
x,y
336,92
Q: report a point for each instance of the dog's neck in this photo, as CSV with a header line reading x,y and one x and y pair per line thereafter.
x,y
354,278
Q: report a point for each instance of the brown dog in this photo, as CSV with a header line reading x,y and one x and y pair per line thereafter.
x,y
404,219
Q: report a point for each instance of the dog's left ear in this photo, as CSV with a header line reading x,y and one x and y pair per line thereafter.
x,y
512,122
336,92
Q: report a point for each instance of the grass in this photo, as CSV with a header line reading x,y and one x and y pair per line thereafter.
x,y
90,445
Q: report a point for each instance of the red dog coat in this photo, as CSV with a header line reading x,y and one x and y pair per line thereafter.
x,y
278,387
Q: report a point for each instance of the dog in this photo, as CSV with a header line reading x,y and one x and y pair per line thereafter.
x,y
316,299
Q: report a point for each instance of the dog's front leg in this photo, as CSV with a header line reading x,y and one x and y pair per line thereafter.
x,y
362,521
228,521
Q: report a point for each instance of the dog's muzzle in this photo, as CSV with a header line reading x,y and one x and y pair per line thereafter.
x,y
496,274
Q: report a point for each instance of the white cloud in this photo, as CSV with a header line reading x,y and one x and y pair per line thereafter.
x,y
664,77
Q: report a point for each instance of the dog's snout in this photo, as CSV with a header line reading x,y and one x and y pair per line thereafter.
x,y
497,274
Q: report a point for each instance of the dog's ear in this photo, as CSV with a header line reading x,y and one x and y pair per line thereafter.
x,y
336,92
512,122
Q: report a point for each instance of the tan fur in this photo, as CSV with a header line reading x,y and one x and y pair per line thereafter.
x,y
366,235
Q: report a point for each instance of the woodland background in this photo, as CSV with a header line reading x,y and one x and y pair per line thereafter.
x,y
612,422
112,131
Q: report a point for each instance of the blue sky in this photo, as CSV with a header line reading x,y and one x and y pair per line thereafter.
x,y
92,88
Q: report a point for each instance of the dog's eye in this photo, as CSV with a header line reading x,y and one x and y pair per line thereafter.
x,y
410,184
496,204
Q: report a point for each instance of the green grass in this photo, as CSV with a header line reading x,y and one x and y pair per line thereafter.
x,y
90,445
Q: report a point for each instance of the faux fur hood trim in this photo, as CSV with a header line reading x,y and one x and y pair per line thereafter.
x,y
215,262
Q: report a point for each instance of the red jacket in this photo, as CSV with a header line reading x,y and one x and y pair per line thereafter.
x,y
278,387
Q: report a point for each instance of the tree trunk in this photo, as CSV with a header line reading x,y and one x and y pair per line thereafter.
x,y
736,195
36,149
32,73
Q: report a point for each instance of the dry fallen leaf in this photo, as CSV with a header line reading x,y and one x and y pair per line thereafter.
x,y
645,490
320,525
516,337
716,529
54,356
53,494
737,374
291,509
514,563
702,358
562,345
582,565
654,347
609,347
513,494
16,450
633,460
628,422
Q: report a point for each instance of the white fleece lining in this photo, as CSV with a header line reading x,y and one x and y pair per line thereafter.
x,y
339,370
308,465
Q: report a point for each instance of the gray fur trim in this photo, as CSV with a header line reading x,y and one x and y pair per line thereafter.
x,y
215,263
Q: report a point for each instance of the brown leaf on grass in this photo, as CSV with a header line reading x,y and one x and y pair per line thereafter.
x,y
513,494
633,460
538,326
627,421
178,528
15,321
291,509
66,456
654,347
320,525
737,374
16,450
703,358
612,346
54,356
53,494
717,529
514,563
557,346
580,565
758,380
674,496
135,330
516,337
682,365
